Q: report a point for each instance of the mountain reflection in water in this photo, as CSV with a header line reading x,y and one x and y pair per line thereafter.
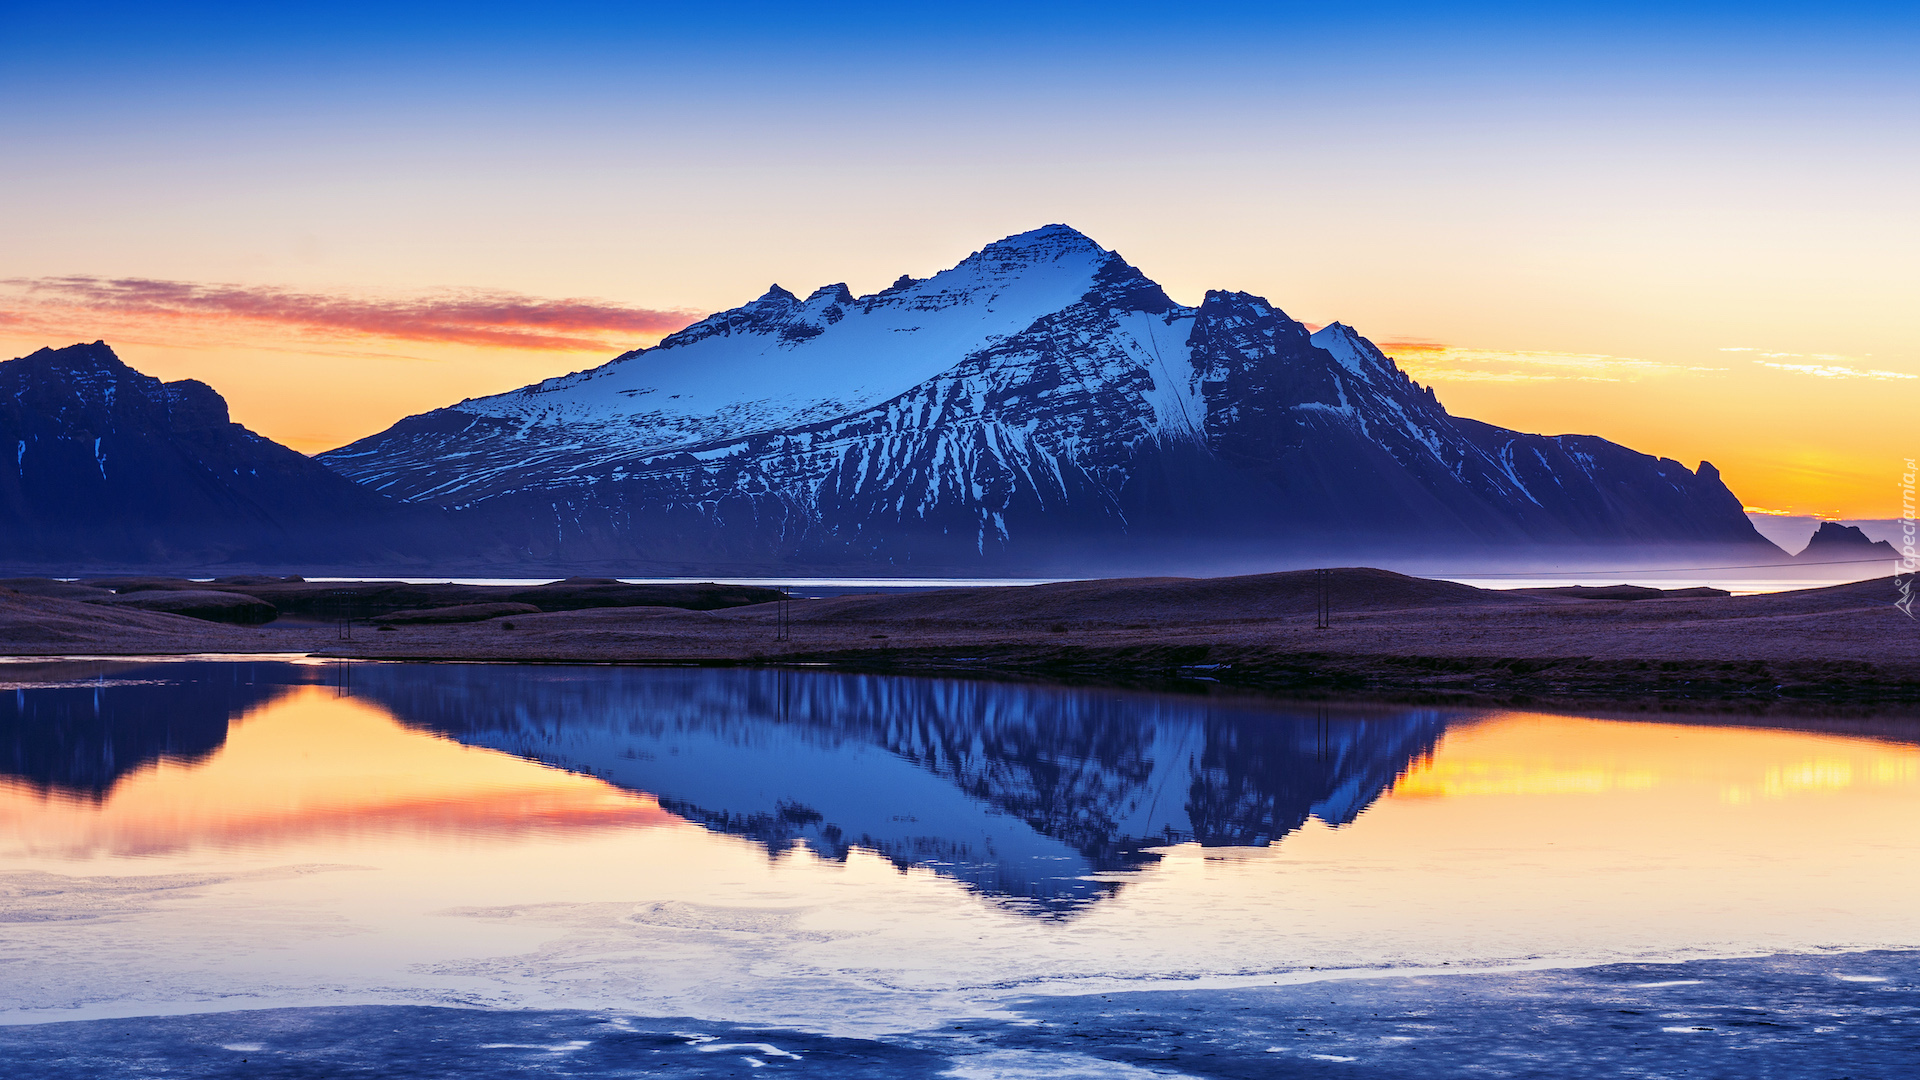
x,y
1018,790
77,728
1035,792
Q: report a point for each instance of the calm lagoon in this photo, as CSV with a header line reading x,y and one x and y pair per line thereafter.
x,y
922,871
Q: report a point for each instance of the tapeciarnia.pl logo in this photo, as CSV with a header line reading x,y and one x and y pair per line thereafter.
x,y
1903,568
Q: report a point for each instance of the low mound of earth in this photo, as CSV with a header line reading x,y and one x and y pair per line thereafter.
x,y
227,607
1144,602
374,599
1622,592
456,614
50,626
65,590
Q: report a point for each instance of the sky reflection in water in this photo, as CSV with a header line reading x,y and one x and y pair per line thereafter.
x,y
780,845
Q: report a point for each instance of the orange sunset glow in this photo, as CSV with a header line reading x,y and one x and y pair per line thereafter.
x,y
1816,434
1522,754
312,764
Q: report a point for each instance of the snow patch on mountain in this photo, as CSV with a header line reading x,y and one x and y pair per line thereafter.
x,y
1159,345
783,362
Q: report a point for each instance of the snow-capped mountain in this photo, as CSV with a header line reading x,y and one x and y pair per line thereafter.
x,y
776,363
107,465
1041,402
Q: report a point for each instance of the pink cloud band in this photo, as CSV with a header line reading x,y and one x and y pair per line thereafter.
x,y
493,319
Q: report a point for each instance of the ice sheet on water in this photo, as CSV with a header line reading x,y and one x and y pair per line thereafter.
x,y
1042,1065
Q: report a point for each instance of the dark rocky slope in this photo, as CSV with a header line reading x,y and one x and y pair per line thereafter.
x,y
105,465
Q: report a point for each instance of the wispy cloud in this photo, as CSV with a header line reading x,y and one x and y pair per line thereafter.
x,y
1833,371
1432,360
1819,365
94,306
1399,346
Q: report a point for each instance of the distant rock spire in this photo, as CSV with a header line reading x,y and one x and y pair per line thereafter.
x,y
1834,541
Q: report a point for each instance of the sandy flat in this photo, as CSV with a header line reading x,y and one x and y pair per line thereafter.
x,y
1387,633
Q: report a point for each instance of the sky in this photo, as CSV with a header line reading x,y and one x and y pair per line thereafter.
x,y
1685,227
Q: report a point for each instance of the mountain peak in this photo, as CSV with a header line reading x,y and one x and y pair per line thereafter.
x,y
837,293
1356,353
1235,300
93,355
1048,243
194,406
1832,532
1053,234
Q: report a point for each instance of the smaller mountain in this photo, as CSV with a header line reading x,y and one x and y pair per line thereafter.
x,y
1834,542
111,466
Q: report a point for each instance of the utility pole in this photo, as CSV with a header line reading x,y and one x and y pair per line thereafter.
x,y
783,627
1322,600
343,614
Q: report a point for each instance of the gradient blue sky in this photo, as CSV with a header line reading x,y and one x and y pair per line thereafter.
x,y
1567,214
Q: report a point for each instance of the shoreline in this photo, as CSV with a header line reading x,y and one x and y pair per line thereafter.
x,y
1853,710
1391,637
1293,679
